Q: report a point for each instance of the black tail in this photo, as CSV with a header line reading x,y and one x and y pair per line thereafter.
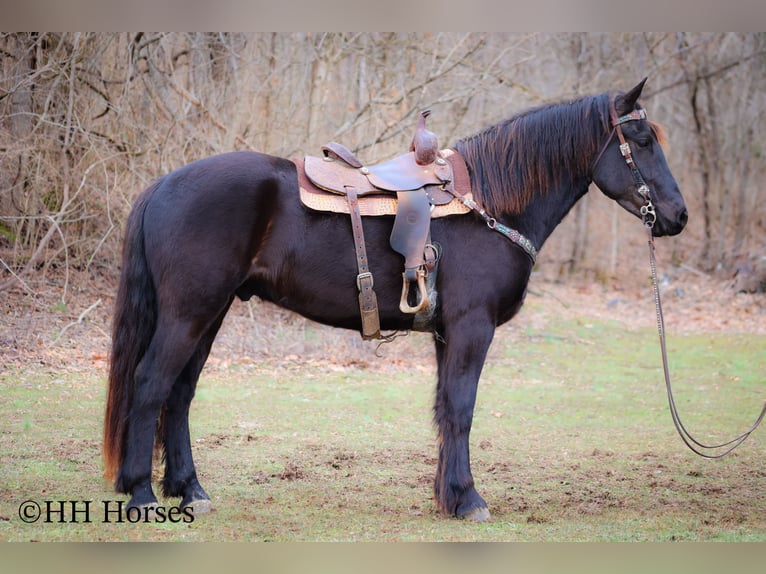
x,y
134,322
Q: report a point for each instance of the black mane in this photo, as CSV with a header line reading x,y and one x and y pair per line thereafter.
x,y
532,152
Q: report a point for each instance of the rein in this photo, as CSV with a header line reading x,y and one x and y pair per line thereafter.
x,y
694,445
649,216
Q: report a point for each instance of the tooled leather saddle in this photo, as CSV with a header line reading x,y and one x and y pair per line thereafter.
x,y
414,187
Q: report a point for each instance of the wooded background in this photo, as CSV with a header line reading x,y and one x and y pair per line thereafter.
x,y
87,120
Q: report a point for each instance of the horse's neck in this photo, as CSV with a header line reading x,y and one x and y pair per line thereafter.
x,y
547,210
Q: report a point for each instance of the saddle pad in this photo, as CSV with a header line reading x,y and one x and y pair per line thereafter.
x,y
318,199
372,205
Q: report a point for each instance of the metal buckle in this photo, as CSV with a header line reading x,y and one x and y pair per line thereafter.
x,y
363,276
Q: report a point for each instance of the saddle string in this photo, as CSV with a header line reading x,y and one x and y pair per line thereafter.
x,y
389,338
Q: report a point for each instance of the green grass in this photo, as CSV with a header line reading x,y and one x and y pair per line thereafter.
x,y
572,441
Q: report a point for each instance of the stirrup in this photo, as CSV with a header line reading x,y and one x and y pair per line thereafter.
x,y
423,302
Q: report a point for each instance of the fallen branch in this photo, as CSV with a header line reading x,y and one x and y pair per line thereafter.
x,y
79,320
14,277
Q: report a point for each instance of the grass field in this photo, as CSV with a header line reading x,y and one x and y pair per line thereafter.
x,y
572,441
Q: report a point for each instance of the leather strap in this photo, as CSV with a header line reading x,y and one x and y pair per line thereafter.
x,y
627,155
461,180
461,189
368,301
701,449
334,149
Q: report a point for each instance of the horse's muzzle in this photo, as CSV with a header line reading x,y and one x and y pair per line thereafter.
x,y
674,226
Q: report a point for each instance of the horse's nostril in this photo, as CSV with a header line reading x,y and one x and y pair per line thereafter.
x,y
683,218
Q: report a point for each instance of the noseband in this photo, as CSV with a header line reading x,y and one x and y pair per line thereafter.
x,y
648,214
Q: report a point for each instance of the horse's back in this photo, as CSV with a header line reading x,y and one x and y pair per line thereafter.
x,y
220,190
224,173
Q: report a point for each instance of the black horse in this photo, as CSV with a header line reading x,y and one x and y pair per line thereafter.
x,y
232,226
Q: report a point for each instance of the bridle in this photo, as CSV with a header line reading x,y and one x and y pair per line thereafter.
x,y
649,216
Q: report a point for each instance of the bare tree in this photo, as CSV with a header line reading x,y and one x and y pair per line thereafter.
x,y
87,120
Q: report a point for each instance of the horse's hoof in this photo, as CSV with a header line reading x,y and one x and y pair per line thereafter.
x,y
201,506
477,515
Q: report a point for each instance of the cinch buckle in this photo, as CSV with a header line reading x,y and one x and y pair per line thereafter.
x,y
363,276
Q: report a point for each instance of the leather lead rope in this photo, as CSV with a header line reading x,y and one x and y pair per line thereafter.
x,y
694,445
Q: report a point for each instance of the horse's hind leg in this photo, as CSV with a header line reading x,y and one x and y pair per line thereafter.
x,y
171,348
180,474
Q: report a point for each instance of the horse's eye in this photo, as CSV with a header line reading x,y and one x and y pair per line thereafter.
x,y
643,142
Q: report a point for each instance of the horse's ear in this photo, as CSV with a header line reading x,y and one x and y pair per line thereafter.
x,y
626,103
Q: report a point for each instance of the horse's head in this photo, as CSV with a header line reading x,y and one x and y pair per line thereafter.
x,y
631,168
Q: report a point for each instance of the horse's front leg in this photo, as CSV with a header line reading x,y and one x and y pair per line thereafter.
x,y
460,354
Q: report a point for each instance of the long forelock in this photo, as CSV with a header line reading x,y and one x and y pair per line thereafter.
x,y
659,132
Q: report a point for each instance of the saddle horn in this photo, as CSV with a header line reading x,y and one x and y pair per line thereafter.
x,y
425,144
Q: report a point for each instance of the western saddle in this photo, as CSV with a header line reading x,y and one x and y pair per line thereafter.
x,y
422,183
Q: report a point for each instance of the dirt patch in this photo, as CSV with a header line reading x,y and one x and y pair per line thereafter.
x,y
292,471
